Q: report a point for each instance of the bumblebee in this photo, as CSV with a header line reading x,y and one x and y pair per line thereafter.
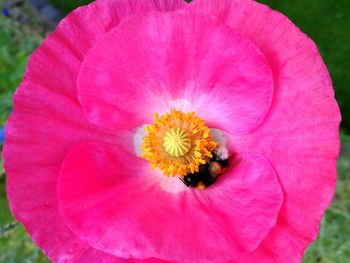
x,y
207,174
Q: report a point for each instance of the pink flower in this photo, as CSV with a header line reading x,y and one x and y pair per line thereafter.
x,y
72,151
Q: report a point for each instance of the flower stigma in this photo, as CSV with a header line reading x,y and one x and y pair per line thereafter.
x,y
177,143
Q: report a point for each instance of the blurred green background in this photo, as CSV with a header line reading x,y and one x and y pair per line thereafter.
x,y
327,22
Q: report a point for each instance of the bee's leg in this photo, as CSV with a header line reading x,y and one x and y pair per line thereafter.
x,y
182,180
191,180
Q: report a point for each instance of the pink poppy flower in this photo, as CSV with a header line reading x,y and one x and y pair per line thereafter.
x,y
229,80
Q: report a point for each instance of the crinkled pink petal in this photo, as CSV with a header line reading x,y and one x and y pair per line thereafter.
x,y
112,201
300,135
47,122
150,60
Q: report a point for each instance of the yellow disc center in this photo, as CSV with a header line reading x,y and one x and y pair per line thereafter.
x,y
177,142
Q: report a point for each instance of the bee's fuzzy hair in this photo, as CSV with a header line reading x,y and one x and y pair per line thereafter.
x,y
221,152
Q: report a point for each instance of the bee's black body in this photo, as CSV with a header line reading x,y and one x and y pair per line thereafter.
x,y
223,163
203,176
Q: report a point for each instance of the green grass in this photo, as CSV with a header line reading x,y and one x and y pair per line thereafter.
x,y
67,6
323,20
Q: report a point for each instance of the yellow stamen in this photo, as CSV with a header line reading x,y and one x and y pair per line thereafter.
x,y
177,143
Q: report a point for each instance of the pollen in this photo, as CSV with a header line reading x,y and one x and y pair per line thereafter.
x,y
177,143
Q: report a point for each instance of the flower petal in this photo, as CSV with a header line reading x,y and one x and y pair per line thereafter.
x,y
300,134
109,200
47,122
152,60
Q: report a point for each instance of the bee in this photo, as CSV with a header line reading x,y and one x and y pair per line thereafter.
x,y
209,172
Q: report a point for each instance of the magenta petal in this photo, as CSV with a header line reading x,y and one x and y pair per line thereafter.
x,y
146,62
109,200
300,134
47,122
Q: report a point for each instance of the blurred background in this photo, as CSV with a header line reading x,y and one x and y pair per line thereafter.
x,y
25,24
